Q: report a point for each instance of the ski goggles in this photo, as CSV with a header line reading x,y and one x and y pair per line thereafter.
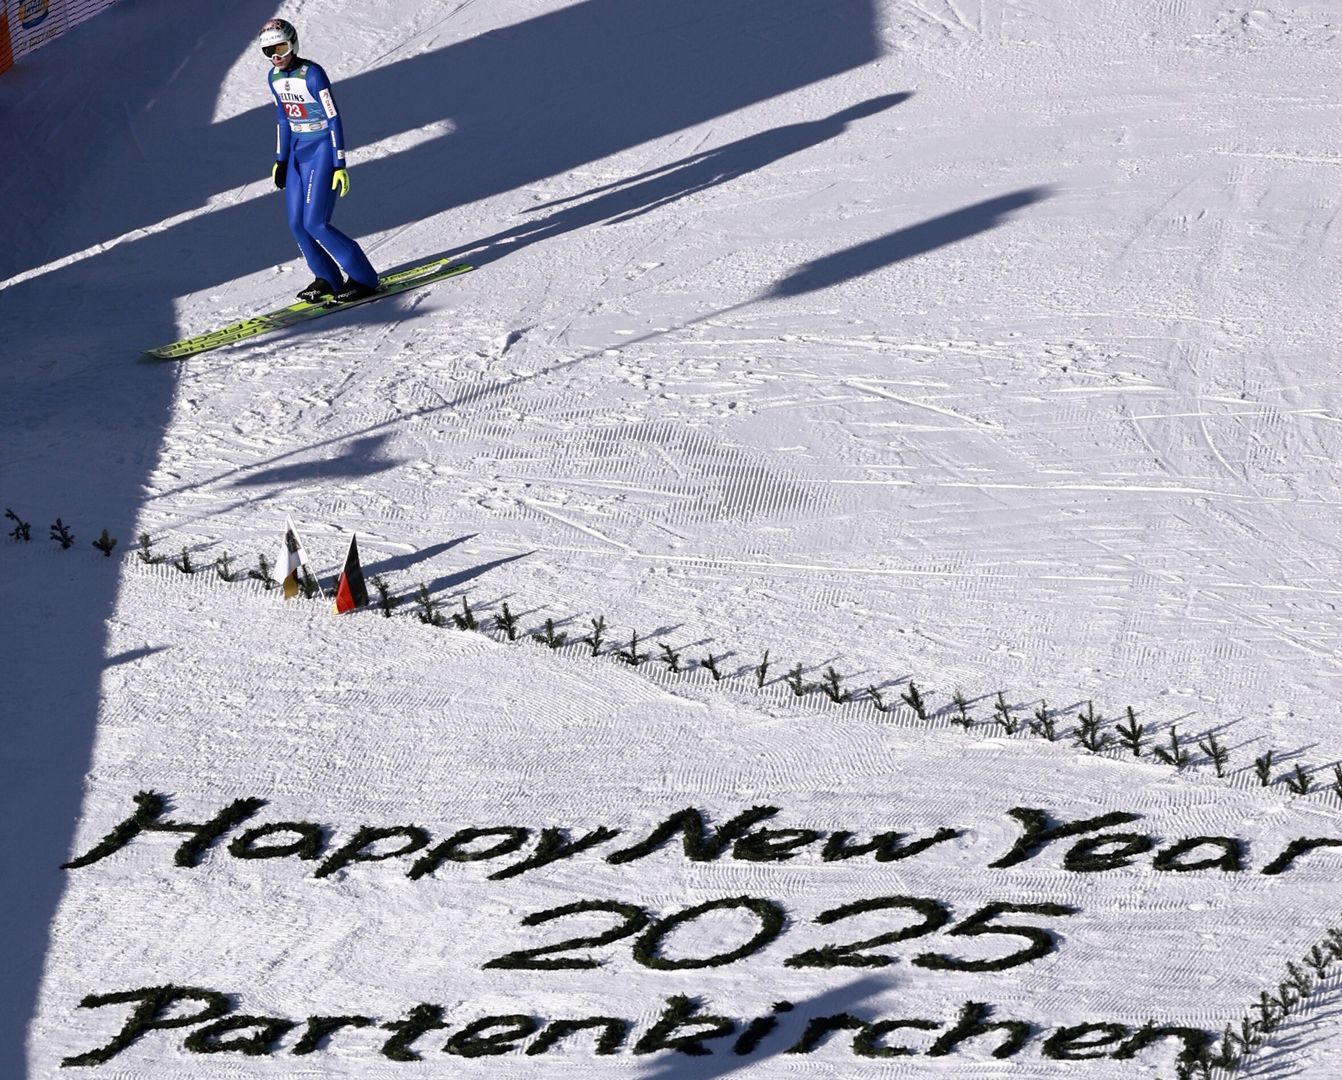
x,y
272,51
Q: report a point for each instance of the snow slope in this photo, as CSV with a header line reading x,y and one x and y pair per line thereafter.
x,y
983,344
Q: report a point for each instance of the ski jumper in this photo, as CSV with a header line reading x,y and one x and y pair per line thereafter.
x,y
309,141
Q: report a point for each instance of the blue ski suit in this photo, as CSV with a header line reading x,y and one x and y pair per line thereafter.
x,y
310,143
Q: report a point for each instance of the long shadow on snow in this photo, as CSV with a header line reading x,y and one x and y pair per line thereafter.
x,y
791,1025
395,563
363,456
874,255
666,184
102,142
460,577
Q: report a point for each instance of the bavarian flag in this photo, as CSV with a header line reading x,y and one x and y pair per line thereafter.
x,y
293,560
351,593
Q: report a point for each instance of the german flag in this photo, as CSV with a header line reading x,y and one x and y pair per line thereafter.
x,y
351,593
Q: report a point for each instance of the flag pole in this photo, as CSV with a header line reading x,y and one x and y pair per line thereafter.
x,y
294,560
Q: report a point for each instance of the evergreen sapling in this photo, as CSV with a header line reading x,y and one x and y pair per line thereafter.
x,y
1299,781
913,698
385,601
507,622
1176,755
711,663
224,566
1214,750
669,657
1132,734
23,530
428,608
1262,767
1304,986
262,573
1091,733
1249,1037
1003,715
878,700
597,636
105,543
465,618
555,639
762,670
832,688
1227,1058
630,654
795,681
1192,1070
1268,1016
961,716
1043,724
145,551
60,532
183,562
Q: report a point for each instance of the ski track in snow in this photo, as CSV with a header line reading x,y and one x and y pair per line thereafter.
x,y
1024,383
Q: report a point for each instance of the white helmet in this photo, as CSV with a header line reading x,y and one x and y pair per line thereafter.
x,y
279,41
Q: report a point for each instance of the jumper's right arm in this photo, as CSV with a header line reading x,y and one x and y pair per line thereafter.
x,y
279,172
281,129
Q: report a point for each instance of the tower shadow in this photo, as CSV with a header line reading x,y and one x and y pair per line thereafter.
x,y
83,425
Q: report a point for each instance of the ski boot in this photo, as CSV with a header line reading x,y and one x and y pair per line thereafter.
x,y
352,291
319,290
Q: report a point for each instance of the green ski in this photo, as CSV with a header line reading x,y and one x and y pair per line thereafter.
x,y
390,284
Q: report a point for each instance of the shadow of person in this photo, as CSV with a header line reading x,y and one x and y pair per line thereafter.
x,y
660,187
360,458
392,564
790,1027
460,577
867,258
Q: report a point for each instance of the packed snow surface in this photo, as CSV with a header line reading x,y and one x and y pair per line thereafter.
x,y
978,346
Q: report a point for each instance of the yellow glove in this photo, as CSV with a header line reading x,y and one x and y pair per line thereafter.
x,y
340,181
279,172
